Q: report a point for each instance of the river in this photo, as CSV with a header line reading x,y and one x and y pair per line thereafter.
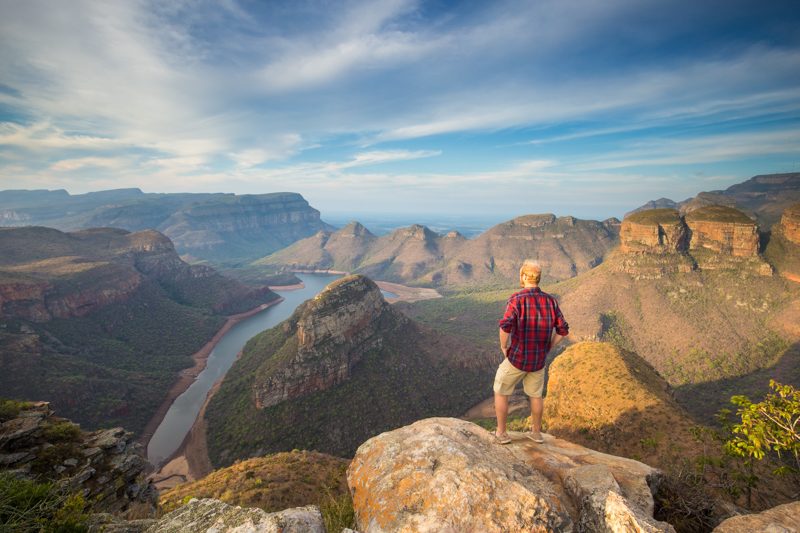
x,y
182,413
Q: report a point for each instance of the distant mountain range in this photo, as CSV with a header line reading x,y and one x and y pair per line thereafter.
x,y
100,321
565,246
216,227
763,198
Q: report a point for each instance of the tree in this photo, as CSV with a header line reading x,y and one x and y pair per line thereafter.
x,y
770,425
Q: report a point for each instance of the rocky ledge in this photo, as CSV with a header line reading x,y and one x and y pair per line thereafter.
x,y
445,474
105,466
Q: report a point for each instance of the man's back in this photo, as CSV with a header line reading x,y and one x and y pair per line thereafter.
x,y
531,316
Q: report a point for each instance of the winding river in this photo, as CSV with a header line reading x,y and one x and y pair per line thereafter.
x,y
183,412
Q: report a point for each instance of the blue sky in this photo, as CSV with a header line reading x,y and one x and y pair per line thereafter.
x,y
491,109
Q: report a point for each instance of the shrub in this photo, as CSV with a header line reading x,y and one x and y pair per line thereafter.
x,y
62,432
337,512
29,506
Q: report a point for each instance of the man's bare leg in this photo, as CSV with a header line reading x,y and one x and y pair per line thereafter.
x,y
537,407
501,411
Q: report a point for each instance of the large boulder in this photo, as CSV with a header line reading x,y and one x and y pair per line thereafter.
x,y
445,474
781,519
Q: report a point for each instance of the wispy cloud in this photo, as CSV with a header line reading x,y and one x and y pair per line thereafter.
x,y
198,95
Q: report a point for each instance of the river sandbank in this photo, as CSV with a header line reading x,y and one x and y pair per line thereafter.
x,y
189,375
407,294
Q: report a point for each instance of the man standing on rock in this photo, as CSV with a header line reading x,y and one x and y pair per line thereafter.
x,y
534,324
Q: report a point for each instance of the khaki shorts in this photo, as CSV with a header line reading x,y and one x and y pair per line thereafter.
x,y
508,376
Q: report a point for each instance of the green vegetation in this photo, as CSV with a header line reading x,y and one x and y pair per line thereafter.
x,y
27,506
655,216
10,408
337,512
718,213
395,384
64,431
772,425
614,330
699,365
111,367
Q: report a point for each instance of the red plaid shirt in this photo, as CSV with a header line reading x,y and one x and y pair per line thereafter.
x,y
531,316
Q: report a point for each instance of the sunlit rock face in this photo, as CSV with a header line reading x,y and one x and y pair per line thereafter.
x,y
445,474
723,230
653,231
333,332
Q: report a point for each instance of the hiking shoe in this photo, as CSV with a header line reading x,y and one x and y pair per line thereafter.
x,y
535,436
503,438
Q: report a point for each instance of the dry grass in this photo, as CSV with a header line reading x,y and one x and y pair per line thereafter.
x,y
272,483
655,216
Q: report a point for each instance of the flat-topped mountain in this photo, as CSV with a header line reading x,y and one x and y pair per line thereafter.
x,y
216,227
344,356
100,321
565,246
764,197
657,241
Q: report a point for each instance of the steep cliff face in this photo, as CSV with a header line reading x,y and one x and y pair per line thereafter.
x,y
654,231
242,226
723,230
106,466
783,249
790,223
333,332
223,227
100,321
46,274
660,241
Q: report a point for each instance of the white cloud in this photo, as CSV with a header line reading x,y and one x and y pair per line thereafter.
x,y
66,165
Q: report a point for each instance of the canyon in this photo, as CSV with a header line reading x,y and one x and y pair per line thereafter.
x,y
215,227
99,322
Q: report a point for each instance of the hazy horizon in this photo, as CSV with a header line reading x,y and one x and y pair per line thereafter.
x,y
399,106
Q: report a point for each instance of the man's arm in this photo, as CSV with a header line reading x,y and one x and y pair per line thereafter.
x,y
504,336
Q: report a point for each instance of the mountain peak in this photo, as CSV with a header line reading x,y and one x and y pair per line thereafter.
x,y
355,229
333,331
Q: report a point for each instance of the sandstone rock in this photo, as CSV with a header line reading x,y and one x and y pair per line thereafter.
x,y
655,231
443,474
790,223
209,515
723,230
449,475
334,330
781,519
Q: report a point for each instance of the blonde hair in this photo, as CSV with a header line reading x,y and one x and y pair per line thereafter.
x,y
532,269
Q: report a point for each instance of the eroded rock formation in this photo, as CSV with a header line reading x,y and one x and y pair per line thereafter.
x,y
790,223
654,231
105,466
444,474
656,242
333,332
723,230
